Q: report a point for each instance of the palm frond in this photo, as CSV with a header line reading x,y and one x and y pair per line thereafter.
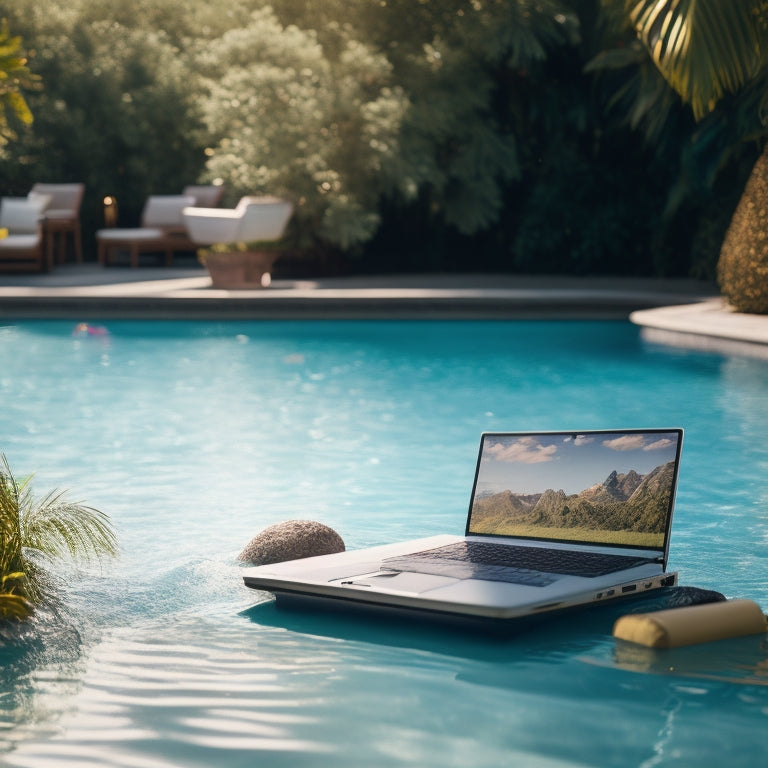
x,y
13,602
53,526
11,558
60,528
703,48
14,606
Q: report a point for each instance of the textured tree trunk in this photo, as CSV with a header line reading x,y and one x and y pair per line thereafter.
x,y
742,270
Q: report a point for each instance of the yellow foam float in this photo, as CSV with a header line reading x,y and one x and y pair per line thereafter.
x,y
692,624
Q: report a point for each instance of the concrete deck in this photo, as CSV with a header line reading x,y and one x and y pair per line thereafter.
x,y
679,312
77,291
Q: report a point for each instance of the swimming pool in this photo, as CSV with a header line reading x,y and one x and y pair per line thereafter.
x,y
195,436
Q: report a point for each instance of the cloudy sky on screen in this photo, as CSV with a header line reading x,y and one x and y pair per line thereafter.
x,y
572,462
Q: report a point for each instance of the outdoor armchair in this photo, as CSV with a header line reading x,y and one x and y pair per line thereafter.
x,y
62,216
22,248
161,231
254,219
208,195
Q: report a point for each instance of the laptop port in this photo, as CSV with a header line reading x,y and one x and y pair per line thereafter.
x,y
628,588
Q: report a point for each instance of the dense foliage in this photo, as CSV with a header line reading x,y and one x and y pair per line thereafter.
x,y
15,76
521,135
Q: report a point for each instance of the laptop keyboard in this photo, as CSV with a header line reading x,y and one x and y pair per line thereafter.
x,y
532,566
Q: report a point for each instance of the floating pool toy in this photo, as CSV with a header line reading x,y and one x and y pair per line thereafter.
x,y
692,624
86,329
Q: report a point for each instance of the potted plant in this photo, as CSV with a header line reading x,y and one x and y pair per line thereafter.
x,y
241,265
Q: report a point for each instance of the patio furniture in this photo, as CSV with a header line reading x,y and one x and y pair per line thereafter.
x,y
62,217
208,195
22,248
161,231
254,219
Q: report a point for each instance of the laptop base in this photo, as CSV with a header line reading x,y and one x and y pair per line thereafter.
x,y
295,596
606,611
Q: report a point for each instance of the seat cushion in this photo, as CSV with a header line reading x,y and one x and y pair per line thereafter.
x,y
138,233
62,214
17,243
67,196
20,216
165,210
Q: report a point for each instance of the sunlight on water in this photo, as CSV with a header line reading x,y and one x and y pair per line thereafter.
x,y
193,437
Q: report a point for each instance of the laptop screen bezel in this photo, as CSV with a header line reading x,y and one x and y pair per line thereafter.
x,y
663,549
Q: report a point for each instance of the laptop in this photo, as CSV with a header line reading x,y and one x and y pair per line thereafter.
x,y
556,520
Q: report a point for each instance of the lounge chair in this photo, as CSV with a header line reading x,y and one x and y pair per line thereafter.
x,y
62,217
208,195
161,231
22,249
254,219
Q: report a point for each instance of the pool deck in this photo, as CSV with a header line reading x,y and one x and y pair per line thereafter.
x,y
678,312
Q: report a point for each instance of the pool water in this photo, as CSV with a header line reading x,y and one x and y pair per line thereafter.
x,y
195,436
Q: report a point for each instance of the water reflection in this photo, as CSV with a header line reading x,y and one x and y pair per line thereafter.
x,y
742,660
41,667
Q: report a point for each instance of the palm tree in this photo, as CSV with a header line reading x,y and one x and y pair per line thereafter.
x,y
706,50
52,526
703,48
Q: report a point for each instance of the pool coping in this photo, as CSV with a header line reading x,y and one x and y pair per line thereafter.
x,y
90,291
677,312
710,325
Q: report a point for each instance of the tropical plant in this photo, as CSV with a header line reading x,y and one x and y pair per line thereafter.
x,y
53,527
15,76
703,48
711,53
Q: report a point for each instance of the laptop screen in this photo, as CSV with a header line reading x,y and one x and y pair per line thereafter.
x,y
608,488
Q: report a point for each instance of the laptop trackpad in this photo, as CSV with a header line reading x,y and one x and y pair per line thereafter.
x,y
413,583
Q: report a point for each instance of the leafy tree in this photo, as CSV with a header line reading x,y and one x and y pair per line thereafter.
x,y
459,134
53,527
402,105
289,118
116,111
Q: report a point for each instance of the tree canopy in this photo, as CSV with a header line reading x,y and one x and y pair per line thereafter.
x,y
529,135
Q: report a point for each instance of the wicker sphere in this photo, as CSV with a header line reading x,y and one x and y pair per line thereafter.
x,y
291,540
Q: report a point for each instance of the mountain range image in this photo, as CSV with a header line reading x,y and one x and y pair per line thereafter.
x,y
622,502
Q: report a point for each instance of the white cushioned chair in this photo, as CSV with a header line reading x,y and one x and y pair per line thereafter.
x,y
22,249
62,216
254,219
161,231
208,195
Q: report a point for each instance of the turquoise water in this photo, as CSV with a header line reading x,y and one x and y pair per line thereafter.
x,y
195,436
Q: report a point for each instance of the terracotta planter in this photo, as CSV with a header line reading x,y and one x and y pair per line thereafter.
x,y
241,269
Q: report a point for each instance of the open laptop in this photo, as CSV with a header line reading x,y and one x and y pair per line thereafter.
x,y
556,520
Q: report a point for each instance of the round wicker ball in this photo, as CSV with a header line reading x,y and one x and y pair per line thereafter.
x,y
291,540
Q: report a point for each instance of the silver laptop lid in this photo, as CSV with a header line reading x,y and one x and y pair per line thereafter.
x,y
613,488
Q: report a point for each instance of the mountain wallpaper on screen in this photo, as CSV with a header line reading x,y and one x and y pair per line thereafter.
x,y
628,502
